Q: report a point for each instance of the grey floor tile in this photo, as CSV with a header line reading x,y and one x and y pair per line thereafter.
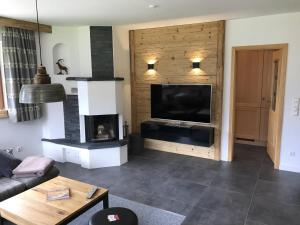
x,y
139,182
269,212
284,177
193,173
282,192
179,190
242,184
208,192
200,216
242,168
253,222
219,200
180,207
133,195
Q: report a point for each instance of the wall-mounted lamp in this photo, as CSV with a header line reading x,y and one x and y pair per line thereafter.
x,y
150,66
196,65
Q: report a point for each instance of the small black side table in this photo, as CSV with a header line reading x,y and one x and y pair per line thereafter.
x,y
126,217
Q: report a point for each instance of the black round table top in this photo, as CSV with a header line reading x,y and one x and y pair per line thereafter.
x,y
125,217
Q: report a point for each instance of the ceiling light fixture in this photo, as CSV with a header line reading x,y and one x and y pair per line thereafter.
x,y
41,91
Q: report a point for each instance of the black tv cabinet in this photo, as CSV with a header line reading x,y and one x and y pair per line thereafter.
x,y
181,133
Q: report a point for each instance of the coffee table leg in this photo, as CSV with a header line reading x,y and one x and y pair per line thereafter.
x,y
105,202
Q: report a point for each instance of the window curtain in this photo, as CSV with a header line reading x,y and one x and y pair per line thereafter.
x,y
19,62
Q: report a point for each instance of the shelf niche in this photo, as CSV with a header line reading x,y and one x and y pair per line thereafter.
x,y
61,51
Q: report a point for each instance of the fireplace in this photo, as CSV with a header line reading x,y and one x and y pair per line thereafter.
x,y
102,128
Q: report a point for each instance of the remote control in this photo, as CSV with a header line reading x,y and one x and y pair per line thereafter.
x,y
91,192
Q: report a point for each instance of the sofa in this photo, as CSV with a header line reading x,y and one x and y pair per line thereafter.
x,y
9,185
13,186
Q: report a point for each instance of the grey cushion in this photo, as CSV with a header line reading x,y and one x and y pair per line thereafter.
x,y
7,163
31,182
9,188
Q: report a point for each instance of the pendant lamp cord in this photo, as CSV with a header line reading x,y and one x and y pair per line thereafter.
x,y
38,27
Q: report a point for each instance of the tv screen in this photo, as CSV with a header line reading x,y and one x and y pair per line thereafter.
x,y
181,102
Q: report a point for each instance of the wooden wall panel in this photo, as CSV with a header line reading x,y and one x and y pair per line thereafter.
x,y
8,22
174,49
253,94
197,151
264,124
249,70
247,123
267,79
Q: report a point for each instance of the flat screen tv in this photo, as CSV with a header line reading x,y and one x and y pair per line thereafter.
x,y
181,102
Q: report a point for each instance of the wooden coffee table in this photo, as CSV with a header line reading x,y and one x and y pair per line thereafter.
x,y
32,208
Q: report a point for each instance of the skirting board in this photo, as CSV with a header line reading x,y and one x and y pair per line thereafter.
x,y
183,149
255,143
289,168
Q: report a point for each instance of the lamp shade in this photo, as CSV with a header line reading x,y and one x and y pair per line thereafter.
x,y
42,93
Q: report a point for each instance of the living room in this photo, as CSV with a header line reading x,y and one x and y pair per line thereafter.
x,y
186,113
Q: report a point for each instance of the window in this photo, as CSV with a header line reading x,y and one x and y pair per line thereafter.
x,y
275,81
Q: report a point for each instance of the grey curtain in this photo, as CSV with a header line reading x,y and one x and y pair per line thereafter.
x,y
20,62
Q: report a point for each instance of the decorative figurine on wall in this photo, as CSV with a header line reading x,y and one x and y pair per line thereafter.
x,y
61,67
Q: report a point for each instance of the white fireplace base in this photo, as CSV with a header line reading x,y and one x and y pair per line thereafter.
x,y
87,158
95,98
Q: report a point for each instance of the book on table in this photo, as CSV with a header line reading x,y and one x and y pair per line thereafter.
x,y
58,194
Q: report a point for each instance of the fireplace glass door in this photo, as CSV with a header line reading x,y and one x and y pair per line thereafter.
x,y
101,128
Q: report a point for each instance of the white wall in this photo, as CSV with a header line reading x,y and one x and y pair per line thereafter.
x,y
75,51
26,135
273,29
76,42
122,67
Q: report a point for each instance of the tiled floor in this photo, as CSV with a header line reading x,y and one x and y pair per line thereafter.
x,y
246,192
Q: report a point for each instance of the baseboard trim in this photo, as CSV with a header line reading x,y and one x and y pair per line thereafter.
x,y
255,143
289,168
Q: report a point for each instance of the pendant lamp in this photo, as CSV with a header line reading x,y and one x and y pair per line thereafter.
x,y
41,91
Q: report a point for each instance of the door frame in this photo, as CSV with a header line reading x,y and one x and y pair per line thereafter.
x,y
281,94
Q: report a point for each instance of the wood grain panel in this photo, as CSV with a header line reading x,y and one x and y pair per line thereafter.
x,y
8,22
32,208
247,123
267,79
173,49
249,78
253,82
264,123
182,149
